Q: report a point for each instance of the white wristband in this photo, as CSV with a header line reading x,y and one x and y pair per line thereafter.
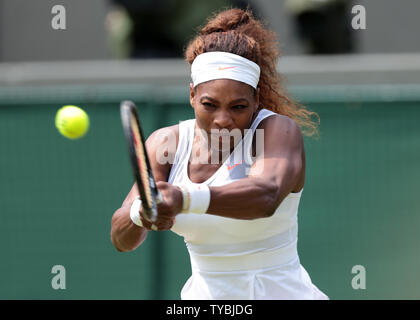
x,y
135,212
199,198
185,198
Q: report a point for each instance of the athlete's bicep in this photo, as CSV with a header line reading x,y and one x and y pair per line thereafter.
x,y
280,158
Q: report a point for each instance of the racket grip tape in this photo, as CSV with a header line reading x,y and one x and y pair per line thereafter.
x,y
159,197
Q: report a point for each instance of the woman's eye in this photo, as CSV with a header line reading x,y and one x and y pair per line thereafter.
x,y
239,107
208,104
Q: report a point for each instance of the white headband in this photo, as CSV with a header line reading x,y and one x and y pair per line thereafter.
x,y
224,65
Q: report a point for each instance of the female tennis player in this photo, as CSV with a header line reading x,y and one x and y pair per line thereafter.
x,y
235,201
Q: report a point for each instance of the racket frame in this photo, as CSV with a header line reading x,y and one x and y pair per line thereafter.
x,y
150,198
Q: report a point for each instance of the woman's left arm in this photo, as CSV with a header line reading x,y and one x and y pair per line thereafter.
x,y
277,171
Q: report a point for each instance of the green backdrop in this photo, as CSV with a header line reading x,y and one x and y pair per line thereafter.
x,y
57,196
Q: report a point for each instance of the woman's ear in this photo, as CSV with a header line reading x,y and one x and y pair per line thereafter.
x,y
192,95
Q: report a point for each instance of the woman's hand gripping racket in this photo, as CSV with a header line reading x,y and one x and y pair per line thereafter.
x,y
149,194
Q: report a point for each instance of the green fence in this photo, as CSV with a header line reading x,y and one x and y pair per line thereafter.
x,y
57,196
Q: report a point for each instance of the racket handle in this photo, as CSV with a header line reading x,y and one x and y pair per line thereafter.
x,y
159,198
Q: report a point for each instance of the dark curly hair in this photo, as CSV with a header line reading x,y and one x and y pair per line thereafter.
x,y
237,31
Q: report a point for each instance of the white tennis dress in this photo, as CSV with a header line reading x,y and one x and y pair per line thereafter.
x,y
239,259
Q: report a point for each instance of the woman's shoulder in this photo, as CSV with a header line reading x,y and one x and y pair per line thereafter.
x,y
174,129
163,141
275,121
161,147
164,135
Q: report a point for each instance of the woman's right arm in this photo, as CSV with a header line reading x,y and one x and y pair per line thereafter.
x,y
125,235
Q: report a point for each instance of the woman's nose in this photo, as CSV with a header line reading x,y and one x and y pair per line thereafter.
x,y
223,120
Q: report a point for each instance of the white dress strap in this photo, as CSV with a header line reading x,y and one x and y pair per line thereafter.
x,y
183,149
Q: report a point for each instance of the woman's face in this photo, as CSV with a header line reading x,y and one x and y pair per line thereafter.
x,y
223,104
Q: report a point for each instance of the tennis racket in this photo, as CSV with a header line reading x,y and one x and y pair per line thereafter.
x,y
150,195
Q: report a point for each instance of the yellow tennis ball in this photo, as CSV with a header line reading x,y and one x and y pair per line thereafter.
x,y
72,122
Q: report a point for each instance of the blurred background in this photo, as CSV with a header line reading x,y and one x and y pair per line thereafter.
x,y
57,196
